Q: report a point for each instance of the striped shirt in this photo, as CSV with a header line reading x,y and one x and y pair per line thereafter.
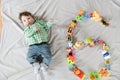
x,y
36,37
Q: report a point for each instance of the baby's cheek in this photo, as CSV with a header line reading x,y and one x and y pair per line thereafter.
x,y
27,24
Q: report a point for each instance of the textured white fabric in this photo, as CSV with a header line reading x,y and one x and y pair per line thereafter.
x,y
45,73
13,47
36,67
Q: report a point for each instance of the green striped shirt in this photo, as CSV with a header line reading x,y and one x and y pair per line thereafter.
x,y
35,37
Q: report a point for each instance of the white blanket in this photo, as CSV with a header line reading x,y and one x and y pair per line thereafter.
x,y
13,47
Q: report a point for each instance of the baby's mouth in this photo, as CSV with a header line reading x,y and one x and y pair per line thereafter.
x,y
30,24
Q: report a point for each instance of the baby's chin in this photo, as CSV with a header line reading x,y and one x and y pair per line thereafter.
x,y
27,25
30,23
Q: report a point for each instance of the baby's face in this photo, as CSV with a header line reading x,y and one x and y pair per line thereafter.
x,y
27,20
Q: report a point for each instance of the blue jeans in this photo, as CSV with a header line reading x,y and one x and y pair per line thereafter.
x,y
39,49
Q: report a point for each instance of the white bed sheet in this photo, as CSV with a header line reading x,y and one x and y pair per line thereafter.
x,y
13,47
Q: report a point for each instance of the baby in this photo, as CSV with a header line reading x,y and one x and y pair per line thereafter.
x,y
35,32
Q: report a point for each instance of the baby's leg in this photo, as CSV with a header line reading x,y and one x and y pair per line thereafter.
x,y
46,53
32,54
33,58
47,56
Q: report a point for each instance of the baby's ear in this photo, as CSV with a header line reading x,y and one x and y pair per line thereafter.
x,y
36,17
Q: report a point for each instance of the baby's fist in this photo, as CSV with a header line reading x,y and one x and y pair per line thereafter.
x,y
36,28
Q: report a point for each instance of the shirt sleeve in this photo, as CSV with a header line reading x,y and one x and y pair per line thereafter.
x,y
46,25
29,32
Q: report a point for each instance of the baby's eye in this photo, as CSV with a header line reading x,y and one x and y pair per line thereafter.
x,y
28,18
24,21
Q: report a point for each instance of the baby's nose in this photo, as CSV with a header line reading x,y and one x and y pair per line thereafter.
x,y
28,21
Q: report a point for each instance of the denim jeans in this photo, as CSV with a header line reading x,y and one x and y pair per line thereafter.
x,y
39,49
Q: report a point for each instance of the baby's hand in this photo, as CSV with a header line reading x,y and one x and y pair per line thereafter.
x,y
36,28
51,20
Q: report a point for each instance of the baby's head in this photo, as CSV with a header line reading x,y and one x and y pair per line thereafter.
x,y
26,18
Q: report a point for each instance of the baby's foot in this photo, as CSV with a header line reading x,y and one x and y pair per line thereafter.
x,y
36,66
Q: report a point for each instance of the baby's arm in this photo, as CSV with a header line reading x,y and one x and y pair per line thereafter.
x,y
29,32
49,23
46,24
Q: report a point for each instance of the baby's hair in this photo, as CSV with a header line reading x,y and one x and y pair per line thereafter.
x,y
25,13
